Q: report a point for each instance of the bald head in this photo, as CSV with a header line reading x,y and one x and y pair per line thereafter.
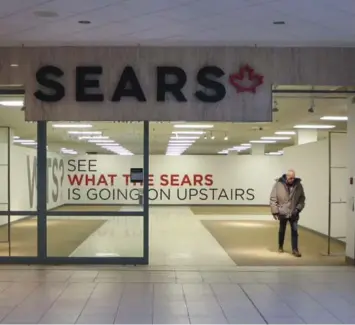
x,y
290,176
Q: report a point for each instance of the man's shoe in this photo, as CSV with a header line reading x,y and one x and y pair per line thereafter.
x,y
296,253
281,250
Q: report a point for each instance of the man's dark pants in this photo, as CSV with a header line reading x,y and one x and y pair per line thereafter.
x,y
294,232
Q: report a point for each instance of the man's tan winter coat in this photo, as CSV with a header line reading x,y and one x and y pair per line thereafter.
x,y
285,200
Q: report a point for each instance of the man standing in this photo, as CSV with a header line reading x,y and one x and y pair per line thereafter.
x,y
287,200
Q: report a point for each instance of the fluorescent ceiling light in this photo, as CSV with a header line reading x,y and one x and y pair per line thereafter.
x,y
16,137
194,126
223,152
245,144
28,143
70,126
85,132
276,153
172,154
238,148
285,132
262,141
188,132
182,141
97,137
275,138
101,141
184,138
334,118
310,126
184,145
12,103
109,145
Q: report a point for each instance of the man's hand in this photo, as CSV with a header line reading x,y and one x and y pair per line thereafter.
x,y
276,216
295,215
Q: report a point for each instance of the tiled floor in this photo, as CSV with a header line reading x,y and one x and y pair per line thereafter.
x,y
186,240
147,295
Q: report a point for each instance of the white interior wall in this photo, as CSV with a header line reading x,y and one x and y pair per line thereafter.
x,y
311,163
231,177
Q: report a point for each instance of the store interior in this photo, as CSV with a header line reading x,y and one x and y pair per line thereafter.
x,y
224,227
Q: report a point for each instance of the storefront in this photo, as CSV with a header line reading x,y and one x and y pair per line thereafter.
x,y
152,84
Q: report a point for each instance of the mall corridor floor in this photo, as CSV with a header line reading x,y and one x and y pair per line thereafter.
x,y
149,295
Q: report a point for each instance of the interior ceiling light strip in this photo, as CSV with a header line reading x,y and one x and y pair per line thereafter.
x,y
275,138
320,126
334,118
72,126
85,132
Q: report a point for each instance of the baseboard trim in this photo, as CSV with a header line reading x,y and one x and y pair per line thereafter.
x,y
322,235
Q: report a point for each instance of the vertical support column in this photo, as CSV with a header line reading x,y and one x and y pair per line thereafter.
x,y
350,220
41,189
307,136
146,192
257,149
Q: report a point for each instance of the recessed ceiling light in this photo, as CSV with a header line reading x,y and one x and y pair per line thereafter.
x,y
309,126
14,65
334,118
278,22
84,22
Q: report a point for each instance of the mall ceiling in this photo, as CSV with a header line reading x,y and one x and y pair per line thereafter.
x,y
177,22
290,109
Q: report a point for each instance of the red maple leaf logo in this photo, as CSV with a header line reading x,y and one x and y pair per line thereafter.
x,y
254,80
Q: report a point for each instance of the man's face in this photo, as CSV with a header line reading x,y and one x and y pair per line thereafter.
x,y
290,177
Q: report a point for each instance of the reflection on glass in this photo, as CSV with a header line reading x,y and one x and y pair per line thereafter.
x,y
95,236
19,236
89,164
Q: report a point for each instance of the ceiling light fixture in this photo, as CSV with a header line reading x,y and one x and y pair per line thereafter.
x,y
85,132
182,141
310,126
101,141
94,137
285,133
12,103
274,153
262,141
188,132
334,118
184,138
275,138
245,144
71,126
14,65
226,137
193,126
